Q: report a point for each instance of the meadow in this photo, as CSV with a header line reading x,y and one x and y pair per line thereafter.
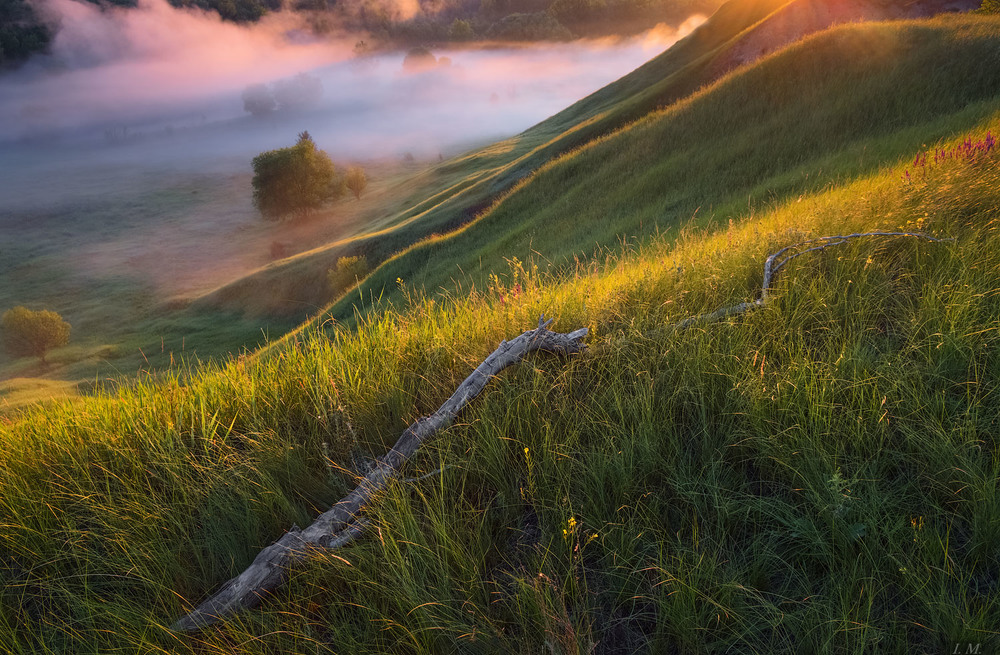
x,y
817,475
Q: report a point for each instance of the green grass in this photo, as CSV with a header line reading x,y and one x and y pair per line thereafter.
x,y
819,475
834,107
816,476
446,196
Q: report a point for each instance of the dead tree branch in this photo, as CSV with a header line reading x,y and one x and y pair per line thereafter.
x,y
340,524
789,253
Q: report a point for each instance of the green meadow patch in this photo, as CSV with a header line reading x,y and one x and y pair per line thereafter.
x,y
816,475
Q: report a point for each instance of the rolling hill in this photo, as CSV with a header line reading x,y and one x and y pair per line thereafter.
x,y
817,475
454,193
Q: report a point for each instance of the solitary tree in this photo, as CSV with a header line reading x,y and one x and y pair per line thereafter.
x,y
28,333
292,180
356,180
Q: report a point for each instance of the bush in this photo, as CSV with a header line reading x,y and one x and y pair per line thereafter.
x,y
292,180
356,180
27,333
418,60
349,271
989,7
300,92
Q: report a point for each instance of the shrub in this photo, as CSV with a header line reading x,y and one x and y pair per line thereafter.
x,y
28,333
989,7
356,180
418,60
303,91
258,100
349,271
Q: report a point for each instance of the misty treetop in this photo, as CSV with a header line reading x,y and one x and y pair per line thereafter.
x,y
294,180
21,31
301,92
28,333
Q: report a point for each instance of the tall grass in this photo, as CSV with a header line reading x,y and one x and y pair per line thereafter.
x,y
819,475
837,106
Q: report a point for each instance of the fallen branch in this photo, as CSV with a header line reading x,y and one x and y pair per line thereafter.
x,y
340,525
771,269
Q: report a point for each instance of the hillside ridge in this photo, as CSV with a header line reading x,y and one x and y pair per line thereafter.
x,y
736,35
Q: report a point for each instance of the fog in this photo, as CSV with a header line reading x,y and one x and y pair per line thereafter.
x,y
125,152
157,81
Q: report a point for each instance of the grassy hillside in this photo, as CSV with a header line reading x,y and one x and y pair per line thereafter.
x,y
460,189
829,109
456,191
818,475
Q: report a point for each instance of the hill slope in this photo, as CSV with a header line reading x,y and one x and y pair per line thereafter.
x,y
819,475
460,189
838,105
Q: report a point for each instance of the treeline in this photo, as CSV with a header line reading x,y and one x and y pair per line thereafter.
x,y
441,21
22,32
238,11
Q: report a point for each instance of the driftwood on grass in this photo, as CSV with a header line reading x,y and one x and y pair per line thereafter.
x,y
340,524
791,252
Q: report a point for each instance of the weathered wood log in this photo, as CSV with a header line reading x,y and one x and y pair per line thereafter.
x,y
340,525
771,269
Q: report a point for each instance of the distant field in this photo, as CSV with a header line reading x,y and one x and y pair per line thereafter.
x,y
112,251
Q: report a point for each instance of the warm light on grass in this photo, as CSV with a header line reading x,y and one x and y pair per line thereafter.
x,y
817,474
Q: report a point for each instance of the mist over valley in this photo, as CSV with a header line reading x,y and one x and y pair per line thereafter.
x,y
125,153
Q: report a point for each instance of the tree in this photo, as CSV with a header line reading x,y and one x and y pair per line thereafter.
x,y
989,7
349,271
356,180
460,30
258,100
27,333
538,26
292,180
418,60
